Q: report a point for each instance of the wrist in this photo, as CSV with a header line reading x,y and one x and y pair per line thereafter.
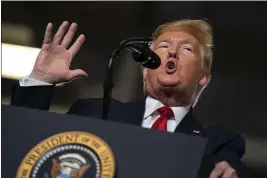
x,y
41,77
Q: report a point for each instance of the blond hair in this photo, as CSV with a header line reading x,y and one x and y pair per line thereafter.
x,y
202,31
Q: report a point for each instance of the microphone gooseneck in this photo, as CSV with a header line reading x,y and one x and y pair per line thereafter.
x,y
141,53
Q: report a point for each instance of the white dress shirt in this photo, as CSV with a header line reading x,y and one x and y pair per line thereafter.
x,y
26,82
150,115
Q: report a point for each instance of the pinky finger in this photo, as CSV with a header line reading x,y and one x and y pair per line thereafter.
x,y
48,34
77,45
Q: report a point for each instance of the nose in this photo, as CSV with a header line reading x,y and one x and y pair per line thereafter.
x,y
172,52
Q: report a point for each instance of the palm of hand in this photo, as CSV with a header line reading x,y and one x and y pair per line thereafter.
x,y
53,62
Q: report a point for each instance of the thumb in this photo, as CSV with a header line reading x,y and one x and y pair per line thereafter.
x,y
76,74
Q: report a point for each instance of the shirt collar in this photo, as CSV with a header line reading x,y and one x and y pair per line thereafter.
x,y
153,104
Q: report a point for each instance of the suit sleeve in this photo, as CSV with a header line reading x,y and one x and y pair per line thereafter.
x,y
228,146
36,97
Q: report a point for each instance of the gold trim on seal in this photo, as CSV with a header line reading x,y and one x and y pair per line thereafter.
x,y
101,149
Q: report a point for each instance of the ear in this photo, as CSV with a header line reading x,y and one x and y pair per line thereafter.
x,y
144,73
205,79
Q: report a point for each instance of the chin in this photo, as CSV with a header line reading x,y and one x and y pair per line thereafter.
x,y
169,80
170,83
167,89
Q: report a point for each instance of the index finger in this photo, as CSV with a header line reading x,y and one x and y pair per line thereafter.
x,y
77,45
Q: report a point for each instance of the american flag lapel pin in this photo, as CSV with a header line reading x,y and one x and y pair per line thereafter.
x,y
196,131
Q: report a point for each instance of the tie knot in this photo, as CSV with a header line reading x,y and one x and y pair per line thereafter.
x,y
166,112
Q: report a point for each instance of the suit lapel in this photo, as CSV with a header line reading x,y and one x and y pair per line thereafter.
x,y
190,125
135,111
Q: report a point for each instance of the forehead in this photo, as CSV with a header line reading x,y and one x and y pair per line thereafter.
x,y
177,36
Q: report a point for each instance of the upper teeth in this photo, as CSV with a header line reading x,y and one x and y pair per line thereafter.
x,y
171,65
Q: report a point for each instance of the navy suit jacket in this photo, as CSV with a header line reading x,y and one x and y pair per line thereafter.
x,y
223,144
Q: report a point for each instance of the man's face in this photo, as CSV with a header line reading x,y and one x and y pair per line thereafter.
x,y
181,63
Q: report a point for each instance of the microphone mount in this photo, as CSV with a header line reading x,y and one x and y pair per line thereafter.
x,y
141,52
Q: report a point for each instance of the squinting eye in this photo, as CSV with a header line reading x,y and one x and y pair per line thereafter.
x,y
163,46
187,48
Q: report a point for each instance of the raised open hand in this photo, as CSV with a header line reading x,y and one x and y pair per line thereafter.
x,y
53,61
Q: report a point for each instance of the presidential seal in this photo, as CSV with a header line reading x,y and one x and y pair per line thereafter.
x,y
69,155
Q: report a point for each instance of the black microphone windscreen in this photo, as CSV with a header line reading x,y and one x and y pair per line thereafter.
x,y
153,61
146,57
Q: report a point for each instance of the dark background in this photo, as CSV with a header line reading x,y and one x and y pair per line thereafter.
x,y
236,96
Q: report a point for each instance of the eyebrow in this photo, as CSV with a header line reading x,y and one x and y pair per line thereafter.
x,y
164,41
182,41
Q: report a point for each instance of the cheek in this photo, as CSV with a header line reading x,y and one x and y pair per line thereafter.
x,y
162,54
153,76
190,69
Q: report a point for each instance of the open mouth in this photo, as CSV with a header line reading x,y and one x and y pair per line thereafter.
x,y
171,67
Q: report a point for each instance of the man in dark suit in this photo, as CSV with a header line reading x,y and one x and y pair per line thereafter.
x,y
172,90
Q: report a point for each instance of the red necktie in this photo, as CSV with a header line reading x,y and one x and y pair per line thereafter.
x,y
165,114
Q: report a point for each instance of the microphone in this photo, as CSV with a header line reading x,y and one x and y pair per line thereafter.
x,y
142,54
